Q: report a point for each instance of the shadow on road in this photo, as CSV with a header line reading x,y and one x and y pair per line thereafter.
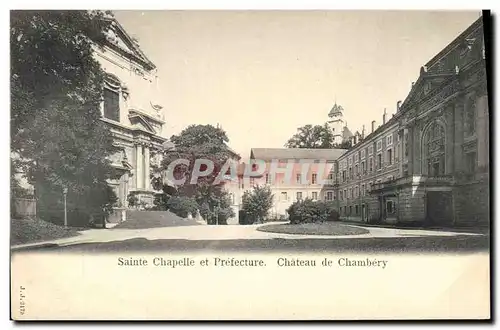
x,y
456,244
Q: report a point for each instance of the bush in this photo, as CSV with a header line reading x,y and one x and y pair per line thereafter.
x,y
307,211
182,206
332,212
243,218
133,200
257,203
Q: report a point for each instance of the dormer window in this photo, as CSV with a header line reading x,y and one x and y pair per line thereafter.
x,y
112,88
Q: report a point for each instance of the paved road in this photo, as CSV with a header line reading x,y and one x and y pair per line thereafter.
x,y
246,238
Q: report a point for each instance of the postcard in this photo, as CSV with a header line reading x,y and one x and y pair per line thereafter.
x,y
250,165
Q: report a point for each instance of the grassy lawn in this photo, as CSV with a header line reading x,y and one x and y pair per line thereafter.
x,y
325,228
24,231
153,219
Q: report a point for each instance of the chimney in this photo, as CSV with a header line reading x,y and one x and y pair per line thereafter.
x,y
363,132
373,126
398,106
355,139
384,117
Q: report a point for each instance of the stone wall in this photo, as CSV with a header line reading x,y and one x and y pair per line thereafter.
x,y
411,205
472,204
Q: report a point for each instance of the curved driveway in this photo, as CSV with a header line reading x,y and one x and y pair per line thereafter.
x,y
229,232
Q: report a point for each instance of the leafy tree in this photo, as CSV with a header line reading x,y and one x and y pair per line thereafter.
x,y
314,137
201,142
56,93
257,203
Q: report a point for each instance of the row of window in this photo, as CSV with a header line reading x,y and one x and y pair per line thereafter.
x,y
359,191
390,209
362,153
329,196
357,171
298,178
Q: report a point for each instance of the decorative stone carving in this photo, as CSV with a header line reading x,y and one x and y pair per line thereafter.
x,y
442,94
125,92
111,35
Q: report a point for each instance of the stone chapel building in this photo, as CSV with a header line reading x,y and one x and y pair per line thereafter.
x,y
132,112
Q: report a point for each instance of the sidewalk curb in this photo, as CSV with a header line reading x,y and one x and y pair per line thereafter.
x,y
33,246
46,244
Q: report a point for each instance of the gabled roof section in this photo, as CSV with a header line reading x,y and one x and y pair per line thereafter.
x,y
296,153
233,153
120,40
425,83
137,118
446,63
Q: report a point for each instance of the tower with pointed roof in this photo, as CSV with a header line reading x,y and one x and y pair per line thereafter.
x,y
336,122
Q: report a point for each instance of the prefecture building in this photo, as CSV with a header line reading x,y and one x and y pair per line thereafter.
x,y
294,174
429,162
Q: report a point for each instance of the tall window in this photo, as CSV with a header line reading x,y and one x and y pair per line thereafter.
x,y
407,146
299,178
112,87
329,195
371,164
314,178
389,156
299,195
434,157
314,195
111,105
268,178
471,162
470,118
390,207
388,140
379,161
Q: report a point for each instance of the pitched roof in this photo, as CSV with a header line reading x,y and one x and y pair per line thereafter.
x,y
296,153
132,48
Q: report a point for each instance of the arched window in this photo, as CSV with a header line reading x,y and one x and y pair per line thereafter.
x,y
112,88
470,117
434,150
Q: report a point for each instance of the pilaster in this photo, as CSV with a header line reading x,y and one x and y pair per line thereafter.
x,y
138,167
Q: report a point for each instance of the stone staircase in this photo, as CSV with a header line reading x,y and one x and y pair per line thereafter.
x,y
136,219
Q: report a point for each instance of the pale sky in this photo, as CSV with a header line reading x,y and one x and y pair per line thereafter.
x,y
263,74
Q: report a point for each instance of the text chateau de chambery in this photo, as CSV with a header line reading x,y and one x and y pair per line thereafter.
x,y
244,262
427,163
